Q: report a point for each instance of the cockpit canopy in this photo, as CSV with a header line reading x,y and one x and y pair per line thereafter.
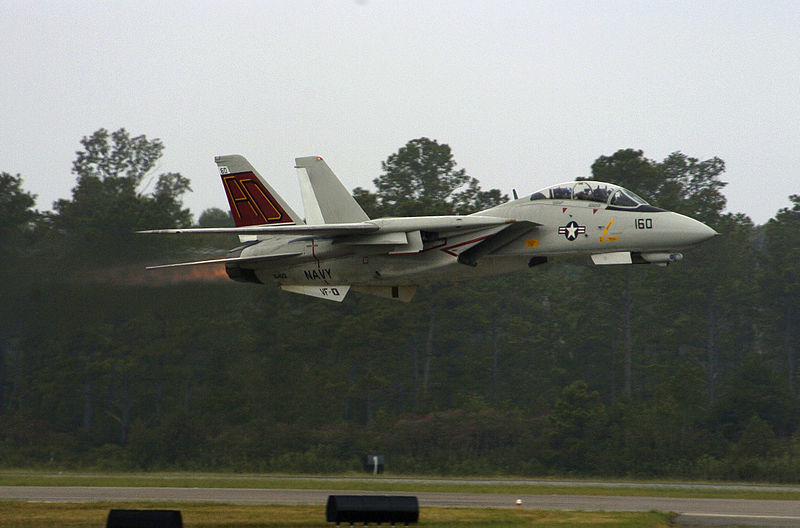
x,y
591,191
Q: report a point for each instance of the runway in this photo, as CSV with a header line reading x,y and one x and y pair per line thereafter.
x,y
703,512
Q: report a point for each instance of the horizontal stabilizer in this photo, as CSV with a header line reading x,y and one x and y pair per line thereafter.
x,y
395,238
258,258
331,293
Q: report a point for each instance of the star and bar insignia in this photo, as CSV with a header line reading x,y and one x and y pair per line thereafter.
x,y
572,230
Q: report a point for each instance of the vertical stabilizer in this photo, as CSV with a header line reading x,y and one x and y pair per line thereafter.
x,y
252,200
324,196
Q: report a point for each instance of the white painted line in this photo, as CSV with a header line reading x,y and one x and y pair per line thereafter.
x,y
743,516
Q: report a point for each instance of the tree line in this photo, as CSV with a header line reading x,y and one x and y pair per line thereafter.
x,y
688,371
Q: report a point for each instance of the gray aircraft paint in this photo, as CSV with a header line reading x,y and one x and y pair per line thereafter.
x,y
340,247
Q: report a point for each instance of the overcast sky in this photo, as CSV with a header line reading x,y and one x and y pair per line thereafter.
x,y
526,93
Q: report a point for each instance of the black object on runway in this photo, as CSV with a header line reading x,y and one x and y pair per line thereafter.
x,y
372,509
144,519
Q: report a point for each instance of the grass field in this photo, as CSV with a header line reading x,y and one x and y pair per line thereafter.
x,y
93,515
188,480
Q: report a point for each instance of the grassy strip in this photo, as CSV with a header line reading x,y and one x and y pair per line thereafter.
x,y
276,482
41,515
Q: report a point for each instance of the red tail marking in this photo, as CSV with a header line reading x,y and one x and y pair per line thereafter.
x,y
250,202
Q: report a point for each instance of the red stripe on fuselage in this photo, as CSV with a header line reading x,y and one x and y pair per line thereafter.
x,y
473,241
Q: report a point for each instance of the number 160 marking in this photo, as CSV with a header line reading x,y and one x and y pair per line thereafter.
x,y
644,223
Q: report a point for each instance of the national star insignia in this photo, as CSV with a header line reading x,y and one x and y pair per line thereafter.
x,y
571,230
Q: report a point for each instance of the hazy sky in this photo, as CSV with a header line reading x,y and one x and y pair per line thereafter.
x,y
526,93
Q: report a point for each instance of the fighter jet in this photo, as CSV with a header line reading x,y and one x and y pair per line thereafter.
x,y
337,248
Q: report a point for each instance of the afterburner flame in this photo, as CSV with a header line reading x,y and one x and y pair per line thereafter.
x,y
205,273
134,275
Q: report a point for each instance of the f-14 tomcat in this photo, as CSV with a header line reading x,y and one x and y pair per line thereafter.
x,y
338,248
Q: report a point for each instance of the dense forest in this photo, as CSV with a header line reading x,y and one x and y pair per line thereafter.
x,y
688,371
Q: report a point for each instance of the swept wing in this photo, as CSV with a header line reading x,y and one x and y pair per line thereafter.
x,y
442,224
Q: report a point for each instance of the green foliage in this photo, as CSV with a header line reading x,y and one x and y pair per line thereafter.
x,y
692,187
578,423
15,204
628,168
755,391
689,371
111,199
215,217
679,183
780,288
421,179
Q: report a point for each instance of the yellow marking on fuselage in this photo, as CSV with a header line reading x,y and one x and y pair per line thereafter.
x,y
532,243
606,238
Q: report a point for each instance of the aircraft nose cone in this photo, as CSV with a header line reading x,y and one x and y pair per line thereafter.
x,y
695,231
